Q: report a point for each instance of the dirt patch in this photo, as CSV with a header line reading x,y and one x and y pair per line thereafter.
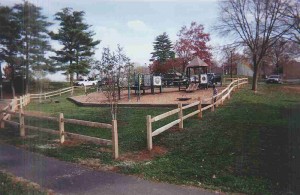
x,y
96,164
105,150
291,89
71,143
144,155
175,129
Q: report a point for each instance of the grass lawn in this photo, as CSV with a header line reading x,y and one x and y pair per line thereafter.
x,y
244,146
13,185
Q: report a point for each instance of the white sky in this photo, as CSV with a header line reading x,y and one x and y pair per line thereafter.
x,y
134,24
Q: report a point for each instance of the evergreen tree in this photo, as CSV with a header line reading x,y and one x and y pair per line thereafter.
x,y
34,36
77,41
162,49
9,43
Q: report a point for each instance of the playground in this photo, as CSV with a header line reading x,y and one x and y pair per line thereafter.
x,y
148,89
168,97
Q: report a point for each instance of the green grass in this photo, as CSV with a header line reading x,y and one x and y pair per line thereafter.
x,y
12,186
241,147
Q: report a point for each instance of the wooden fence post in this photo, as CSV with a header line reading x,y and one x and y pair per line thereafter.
x,y
149,132
222,100
61,128
115,142
72,91
84,89
200,108
14,103
22,123
180,115
213,104
60,92
40,98
238,83
2,124
21,102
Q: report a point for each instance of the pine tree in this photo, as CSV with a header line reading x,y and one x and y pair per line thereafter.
x,y
9,43
163,49
34,36
77,41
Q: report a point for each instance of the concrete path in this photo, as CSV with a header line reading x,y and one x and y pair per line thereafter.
x,y
68,178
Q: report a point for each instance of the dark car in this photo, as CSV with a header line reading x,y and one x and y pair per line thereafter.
x,y
172,79
274,79
102,82
213,79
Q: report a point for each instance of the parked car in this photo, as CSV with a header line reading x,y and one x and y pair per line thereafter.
x,y
274,79
86,82
172,79
213,79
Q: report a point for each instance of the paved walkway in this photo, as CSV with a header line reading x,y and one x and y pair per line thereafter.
x,y
68,178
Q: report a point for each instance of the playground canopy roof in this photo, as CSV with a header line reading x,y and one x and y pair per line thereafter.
x,y
196,62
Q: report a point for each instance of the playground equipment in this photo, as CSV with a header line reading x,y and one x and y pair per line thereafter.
x,y
144,82
196,73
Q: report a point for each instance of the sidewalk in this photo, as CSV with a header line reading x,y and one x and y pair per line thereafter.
x,y
68,178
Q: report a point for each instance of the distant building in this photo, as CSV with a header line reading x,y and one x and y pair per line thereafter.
x,y
291,71
244,68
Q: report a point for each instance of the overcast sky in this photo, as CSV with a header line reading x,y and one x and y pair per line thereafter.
x,y
134,24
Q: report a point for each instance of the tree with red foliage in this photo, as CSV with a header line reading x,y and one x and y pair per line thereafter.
x,y
193,42
169,65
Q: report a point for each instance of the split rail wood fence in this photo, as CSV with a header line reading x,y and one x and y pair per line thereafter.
x,y
59,92
211,103
16,108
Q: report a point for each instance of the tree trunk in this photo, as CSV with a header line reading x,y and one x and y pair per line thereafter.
x,y
71,73
27,65
71,79
255,77
1,83
12,84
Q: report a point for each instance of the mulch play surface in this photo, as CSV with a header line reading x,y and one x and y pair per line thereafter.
x,y
169,96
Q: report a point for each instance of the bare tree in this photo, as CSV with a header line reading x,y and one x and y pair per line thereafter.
x,y
113,66
293,20
122,62
257,25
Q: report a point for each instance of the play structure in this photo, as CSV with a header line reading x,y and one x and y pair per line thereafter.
x,y
196,72
196,77
143,82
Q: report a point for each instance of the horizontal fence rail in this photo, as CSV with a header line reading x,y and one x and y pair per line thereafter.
x,y
210,102
16,108
59,92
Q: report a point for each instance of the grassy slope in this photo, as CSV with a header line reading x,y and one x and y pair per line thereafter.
x,y
242,147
